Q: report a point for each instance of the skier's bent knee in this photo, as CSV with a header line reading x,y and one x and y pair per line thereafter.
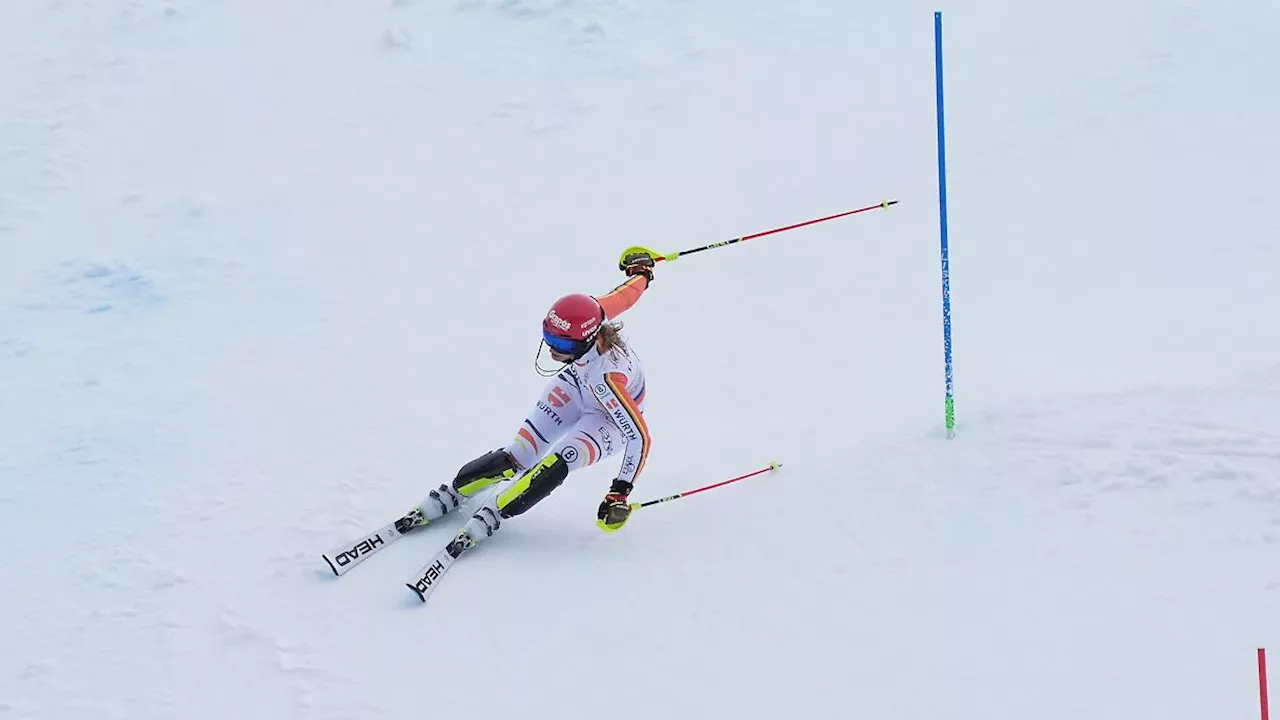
x,y
533,486
484,471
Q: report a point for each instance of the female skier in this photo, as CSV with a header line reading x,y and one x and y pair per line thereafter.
x,y
592,409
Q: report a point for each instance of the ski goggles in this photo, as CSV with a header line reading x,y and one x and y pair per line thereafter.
x,y
562,345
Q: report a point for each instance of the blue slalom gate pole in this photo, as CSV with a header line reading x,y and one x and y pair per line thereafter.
x,y
950,404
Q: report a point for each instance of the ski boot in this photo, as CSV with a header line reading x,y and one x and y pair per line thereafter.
x,y
523,494
482,525
484,471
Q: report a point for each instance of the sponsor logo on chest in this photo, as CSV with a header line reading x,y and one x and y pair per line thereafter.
x,y
618,413
546,410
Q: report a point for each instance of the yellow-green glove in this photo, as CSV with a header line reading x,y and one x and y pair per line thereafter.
x,y
614,510
637,261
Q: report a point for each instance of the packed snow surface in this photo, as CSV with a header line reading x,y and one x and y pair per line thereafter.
x,y
269,271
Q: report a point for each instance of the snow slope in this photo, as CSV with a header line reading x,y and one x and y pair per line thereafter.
x,y
272,270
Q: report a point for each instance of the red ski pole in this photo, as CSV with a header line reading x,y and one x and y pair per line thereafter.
x,y
772,466
744,238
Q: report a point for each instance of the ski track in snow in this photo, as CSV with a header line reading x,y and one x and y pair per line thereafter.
x,y
1193,448
81,53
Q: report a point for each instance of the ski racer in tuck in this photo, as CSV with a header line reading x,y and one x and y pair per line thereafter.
x,y
593,408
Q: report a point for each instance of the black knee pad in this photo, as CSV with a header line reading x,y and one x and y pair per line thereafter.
x,y
545,477
493,464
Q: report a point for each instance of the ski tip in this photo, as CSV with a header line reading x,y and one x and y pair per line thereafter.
x,y
331,565
421,597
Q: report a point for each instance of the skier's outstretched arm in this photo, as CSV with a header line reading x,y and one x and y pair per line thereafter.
x,y
638,264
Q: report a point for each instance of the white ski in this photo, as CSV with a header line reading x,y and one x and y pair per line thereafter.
x,y
346,556
425,582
